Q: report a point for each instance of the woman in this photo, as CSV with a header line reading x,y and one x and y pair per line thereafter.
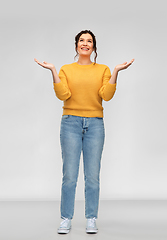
x,y
82,85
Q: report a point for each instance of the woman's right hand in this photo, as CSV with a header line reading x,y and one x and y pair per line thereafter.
x,y
45,64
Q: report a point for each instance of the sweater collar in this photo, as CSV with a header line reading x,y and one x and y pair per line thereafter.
x,y
83,66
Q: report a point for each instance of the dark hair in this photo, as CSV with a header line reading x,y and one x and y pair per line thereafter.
x,y
94,42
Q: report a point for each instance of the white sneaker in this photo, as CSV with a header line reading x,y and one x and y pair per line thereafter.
x,y
91,226
65,226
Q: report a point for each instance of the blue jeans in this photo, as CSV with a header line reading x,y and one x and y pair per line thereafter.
x,y
78,134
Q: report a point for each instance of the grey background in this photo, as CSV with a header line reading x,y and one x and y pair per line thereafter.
x,y
135,152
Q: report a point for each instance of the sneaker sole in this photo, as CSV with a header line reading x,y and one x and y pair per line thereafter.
x,y
91,231
63,231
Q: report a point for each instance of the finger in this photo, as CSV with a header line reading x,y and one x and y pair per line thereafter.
x,y
36,60
128,64
40,63
132,60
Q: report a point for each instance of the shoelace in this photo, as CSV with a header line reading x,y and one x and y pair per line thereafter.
x,y
91,222
64,223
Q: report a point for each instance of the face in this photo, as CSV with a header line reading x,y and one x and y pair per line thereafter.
x,y
85,45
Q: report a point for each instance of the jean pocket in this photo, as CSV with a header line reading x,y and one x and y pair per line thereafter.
x,y
65,116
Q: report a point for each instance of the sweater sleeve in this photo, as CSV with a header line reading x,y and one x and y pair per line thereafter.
x,y
61,89
107,90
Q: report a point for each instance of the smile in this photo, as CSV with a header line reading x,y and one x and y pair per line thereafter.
x,y
85,49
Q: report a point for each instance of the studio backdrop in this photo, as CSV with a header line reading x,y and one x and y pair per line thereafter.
x,y
134,159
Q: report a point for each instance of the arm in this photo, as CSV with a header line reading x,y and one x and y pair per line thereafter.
x,y
60,83
118,68
113,78
61,88
108,89
55,76
51,67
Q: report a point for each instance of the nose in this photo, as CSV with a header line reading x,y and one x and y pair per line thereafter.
x,y
84,43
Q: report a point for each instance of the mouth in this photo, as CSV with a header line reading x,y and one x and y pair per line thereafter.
x,y
85,49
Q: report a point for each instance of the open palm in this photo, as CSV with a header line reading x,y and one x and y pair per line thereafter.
x,y
124,65
45,64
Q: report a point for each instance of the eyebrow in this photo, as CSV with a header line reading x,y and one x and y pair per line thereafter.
x,y
86,39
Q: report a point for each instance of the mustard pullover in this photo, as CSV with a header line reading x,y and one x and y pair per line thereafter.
x,y
83,87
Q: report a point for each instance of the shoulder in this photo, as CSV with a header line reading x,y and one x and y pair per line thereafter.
x,y
66,66
103,68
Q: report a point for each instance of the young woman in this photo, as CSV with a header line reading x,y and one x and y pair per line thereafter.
x,y
82,86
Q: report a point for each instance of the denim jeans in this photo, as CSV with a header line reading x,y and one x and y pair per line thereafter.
x,y
78,134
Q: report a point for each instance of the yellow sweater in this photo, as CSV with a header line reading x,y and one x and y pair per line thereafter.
x,y
83,87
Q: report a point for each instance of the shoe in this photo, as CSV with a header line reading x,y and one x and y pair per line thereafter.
x,y
65,226
91,226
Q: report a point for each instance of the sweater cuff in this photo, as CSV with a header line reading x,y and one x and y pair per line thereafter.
x,y
111,86
58,86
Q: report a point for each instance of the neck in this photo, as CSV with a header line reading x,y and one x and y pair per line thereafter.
x,y
84,60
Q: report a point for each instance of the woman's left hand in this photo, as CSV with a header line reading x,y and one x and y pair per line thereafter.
x,y
123,65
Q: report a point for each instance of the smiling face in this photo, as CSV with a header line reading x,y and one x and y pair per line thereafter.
x,y
85,45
